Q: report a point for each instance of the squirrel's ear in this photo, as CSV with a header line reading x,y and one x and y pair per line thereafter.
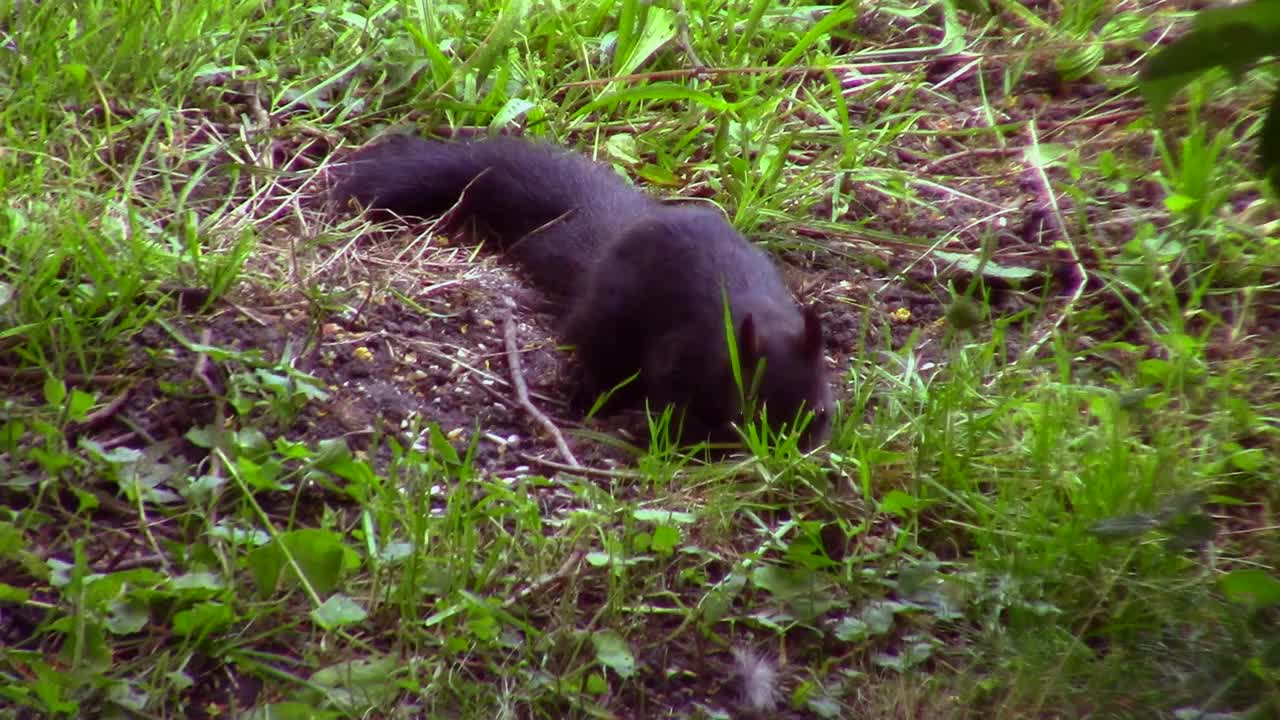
x,y
749,337
812,331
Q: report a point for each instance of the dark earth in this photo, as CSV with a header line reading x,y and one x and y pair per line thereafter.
x,y
408,328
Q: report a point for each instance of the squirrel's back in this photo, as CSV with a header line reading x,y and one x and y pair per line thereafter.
x,y
549,209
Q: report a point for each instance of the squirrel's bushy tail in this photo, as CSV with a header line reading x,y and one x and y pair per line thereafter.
x,y
549,209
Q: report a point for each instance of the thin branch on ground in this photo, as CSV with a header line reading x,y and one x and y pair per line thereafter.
x,y
8,372
1082,275
102,414
582,469
522,391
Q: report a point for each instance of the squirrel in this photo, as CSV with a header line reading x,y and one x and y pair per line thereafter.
x,y
641,286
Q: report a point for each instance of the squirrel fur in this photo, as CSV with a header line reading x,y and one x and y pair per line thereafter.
x,y
641,286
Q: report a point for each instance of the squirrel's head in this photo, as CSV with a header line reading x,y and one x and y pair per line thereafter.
x,y
788,374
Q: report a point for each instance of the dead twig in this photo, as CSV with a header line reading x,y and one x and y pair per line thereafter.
x,y
205,371
933,167
1114,117
99,416
1081,274
13,373
686,43
423,347
568,566
522,391
580,469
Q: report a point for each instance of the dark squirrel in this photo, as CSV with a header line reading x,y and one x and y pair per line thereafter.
x,y
641,285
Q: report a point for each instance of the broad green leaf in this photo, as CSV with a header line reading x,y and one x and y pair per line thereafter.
x,y
776,580
1178,203
55,391
81,403
10,433
356,685
1255,588
665,539
654,174
909,656
806,593
879,616
597,684
898,502
11,594
127,616
876,619
512,109
337,611
76,72
319,554
129,695
851,630
261,477
51,685
179,679
824,706
115,456
364,672
207,581
716,603
659,28
201,437
203,619
663,516
1250,459
613,652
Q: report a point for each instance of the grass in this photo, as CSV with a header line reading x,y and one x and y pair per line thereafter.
x,y
1051,488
